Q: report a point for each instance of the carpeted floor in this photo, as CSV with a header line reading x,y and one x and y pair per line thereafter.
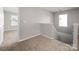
x,y
40,43
9,38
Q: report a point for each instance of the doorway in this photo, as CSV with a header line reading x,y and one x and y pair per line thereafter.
x,y
11,26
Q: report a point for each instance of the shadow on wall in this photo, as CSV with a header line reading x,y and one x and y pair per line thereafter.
x,y
65,37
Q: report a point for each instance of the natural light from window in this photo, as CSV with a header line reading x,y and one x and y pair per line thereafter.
x,y
14,20
63,20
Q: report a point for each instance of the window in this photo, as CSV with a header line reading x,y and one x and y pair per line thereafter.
x,y
63,20
14,20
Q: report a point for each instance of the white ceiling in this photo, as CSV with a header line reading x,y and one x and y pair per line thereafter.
x,y
11,9
52,9
56,9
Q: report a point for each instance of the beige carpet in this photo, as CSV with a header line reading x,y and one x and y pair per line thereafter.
x,y
10,37
40,43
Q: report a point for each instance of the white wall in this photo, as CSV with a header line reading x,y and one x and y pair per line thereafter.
x,y
73,17
30,19
66,33
1,25
28,25
1,17
48,30
7,21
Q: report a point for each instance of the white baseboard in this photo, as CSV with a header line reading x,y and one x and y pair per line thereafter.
x,y
10,30
35,36
28,38
47,36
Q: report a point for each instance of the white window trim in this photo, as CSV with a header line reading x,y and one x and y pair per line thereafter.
x,y
63,23
16,19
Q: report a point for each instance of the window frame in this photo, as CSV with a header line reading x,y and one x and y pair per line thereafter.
x,y
15,20
64,24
